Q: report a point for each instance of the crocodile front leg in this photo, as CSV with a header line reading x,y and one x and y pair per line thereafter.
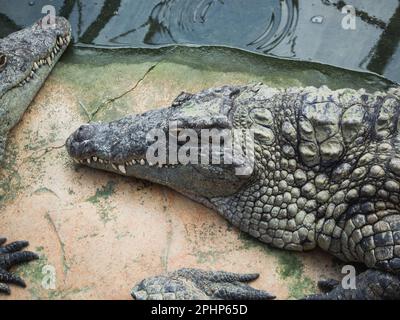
x,y
195,284
11,255
370,285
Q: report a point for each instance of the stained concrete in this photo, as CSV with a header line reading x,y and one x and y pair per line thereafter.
x,y
101,232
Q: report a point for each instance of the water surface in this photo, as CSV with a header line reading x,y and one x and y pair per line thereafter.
x,y
305,30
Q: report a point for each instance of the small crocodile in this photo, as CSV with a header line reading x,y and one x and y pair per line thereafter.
x,y
326,174
26,59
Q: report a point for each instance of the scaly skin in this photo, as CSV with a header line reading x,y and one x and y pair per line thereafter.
x,y
326,174
10,256
194,284
26,59
371,285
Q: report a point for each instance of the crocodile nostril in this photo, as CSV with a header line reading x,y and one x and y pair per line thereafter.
x,y
85,132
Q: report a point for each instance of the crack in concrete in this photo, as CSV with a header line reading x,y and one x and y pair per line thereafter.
x,y
91,115
88,114
63,260
45,151
170,232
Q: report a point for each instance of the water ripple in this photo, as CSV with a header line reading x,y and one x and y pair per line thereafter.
x,y
306,30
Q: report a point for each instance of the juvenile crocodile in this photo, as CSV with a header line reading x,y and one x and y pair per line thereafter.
x,y
26,59
326,172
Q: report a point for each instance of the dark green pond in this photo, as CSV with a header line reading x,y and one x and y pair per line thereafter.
x,y
309,30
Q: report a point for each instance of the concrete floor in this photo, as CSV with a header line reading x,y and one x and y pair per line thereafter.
x,y
101,232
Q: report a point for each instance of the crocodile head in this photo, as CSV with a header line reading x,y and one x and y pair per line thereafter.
x,y
26,59
125,146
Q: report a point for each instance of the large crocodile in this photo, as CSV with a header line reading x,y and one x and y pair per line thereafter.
x,y
326,174
26,59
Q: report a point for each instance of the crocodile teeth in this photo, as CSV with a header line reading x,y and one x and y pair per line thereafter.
x,y
88,160
95,159
35,66
133,162
121,168
32,74
114,166
142,162
48,61
101,160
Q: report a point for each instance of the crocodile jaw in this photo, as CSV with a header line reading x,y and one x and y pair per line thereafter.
x,y
29,56
122,146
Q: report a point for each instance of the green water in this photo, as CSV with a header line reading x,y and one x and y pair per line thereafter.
x,y
307,30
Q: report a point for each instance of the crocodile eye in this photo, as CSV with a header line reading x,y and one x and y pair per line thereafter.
x,y
3,61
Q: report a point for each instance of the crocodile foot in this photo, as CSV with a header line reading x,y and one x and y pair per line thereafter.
x,y
11,255
370,285
195,284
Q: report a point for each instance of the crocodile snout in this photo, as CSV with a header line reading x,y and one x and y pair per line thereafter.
x,y
84,132
79,143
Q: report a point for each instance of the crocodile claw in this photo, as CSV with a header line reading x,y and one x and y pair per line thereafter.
x,y
11,255
195,284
